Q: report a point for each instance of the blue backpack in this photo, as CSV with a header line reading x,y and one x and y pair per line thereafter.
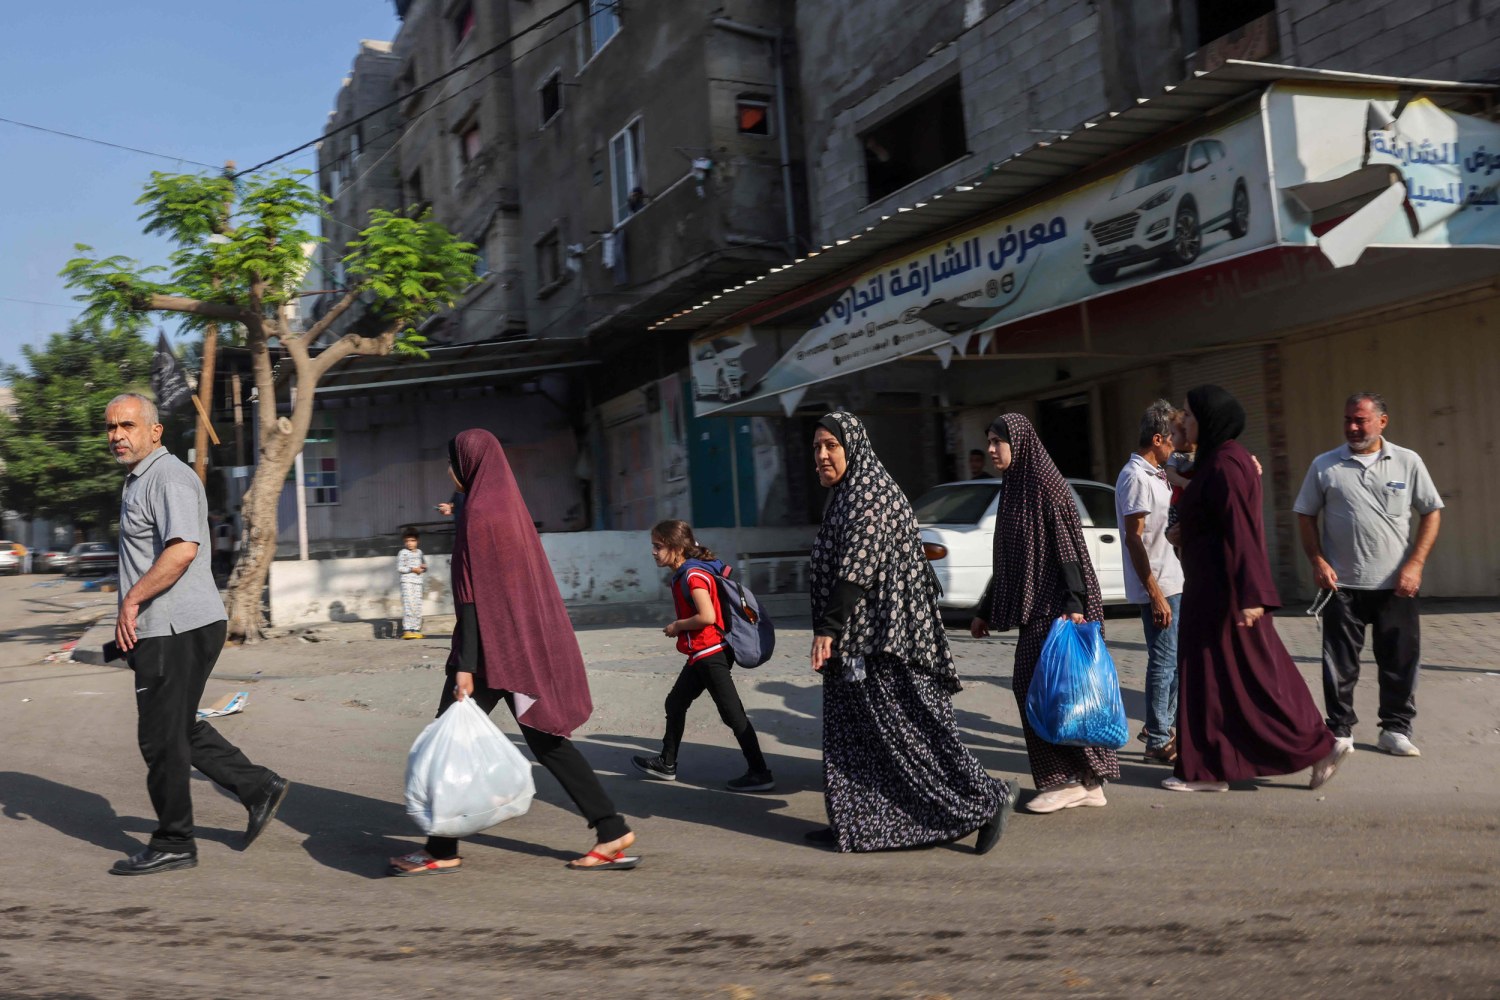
x,y
747,629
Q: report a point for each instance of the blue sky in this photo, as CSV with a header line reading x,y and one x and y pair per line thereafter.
x,y
209,81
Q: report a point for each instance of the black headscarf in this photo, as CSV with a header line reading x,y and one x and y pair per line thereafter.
x,y
869,537
1220,417
1037,531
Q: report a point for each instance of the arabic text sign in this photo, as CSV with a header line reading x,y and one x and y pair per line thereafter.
x,y
1200,201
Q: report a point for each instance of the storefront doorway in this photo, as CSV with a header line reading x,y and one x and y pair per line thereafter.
x,y
1065,429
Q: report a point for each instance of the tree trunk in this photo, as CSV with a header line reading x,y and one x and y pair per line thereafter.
x,y
280,441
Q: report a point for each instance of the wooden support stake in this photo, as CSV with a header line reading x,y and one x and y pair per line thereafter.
x,y
203,423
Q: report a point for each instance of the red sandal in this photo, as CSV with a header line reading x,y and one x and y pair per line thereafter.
x,y
423,864
617,862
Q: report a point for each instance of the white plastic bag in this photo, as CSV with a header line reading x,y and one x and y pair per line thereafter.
x,y
463,775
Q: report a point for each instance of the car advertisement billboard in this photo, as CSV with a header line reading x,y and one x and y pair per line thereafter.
x,y
1201,200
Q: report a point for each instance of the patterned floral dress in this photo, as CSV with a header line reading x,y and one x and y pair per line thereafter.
x,y
896,773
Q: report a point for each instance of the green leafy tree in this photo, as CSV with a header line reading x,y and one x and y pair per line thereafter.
x,y
57,463
237,259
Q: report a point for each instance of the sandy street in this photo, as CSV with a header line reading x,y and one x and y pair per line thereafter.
x,y
1385,883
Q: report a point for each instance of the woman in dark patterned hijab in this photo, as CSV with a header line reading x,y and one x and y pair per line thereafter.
x,y
895,772
1042,572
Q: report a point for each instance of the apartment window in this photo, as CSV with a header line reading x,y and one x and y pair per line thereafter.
x,y
915,141
550,93
463,24
320,466
356,142
415,193
1217,19
752,114
548,261
335,180
625,167
469,143
601,23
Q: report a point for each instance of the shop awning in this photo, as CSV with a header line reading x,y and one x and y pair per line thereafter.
x,y
489,363
1048,162
1113,204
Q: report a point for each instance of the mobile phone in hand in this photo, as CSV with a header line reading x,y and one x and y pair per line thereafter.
x,y
112,652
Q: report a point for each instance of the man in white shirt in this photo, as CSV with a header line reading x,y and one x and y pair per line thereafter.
x,y
1153,576
1365,491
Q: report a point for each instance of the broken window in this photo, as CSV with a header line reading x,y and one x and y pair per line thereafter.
x,y
463,24
548,260
915,141
752,115
625,168
470,143
1217,18
551,95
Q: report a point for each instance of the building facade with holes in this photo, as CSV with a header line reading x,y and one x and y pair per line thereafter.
x,y
1042,110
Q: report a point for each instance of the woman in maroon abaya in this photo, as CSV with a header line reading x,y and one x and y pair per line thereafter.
x,y
1243,709
514,642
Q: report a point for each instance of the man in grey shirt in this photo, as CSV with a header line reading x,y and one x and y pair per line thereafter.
x,y
1365,492
171,628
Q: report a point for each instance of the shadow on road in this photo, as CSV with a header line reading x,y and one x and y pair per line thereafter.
x,y
85,816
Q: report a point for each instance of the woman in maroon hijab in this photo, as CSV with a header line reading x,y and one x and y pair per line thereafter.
x,y
514,642
1243,709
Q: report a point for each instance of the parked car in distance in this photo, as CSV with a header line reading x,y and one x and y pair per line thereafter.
x,y
49,561
92,557
1165,205
10,558
958,535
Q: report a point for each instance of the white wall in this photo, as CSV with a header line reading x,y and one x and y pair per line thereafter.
x,y
592,568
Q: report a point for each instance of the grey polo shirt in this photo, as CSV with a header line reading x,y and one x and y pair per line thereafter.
x,y
1141,489
1366,527
163,500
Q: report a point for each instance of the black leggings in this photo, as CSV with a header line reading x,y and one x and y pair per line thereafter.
x,y
559,756
711,674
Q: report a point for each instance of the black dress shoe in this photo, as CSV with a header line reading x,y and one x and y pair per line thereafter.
x,y
994,827
149,862
264,810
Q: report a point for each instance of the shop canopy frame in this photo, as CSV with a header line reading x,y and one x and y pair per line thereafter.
x,y
1028,173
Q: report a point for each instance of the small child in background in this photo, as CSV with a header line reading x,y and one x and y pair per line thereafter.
x,y
410,565
699,633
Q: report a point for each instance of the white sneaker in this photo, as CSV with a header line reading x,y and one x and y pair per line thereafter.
x,y
1324,770
1092,797
1344,741
1397,744
1175,784
1066,797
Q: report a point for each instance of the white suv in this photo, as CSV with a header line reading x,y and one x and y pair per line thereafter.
x,y
1168,203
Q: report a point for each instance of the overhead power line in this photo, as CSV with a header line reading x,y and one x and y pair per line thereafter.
x,y
498,46
104,142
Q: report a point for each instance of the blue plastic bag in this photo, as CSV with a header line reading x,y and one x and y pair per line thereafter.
x,y
1074,699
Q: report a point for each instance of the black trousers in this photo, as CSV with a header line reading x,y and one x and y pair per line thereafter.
x,y
711,674
1397,626
559,756
170,674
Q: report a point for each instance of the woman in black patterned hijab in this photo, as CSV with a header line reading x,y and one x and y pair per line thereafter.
x,y
1042,572
895,772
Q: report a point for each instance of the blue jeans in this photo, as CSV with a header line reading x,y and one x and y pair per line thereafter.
x,y
1161,674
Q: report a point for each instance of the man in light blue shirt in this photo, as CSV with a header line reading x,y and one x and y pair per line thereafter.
x,y
171,629
1153,575
1365,492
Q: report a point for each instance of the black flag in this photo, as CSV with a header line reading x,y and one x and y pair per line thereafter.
x,y
167,381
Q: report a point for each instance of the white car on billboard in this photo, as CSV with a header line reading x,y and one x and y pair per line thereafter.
x,y
958,535
1161,209
717,373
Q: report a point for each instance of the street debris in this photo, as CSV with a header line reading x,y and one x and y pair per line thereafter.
x,y
227,705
